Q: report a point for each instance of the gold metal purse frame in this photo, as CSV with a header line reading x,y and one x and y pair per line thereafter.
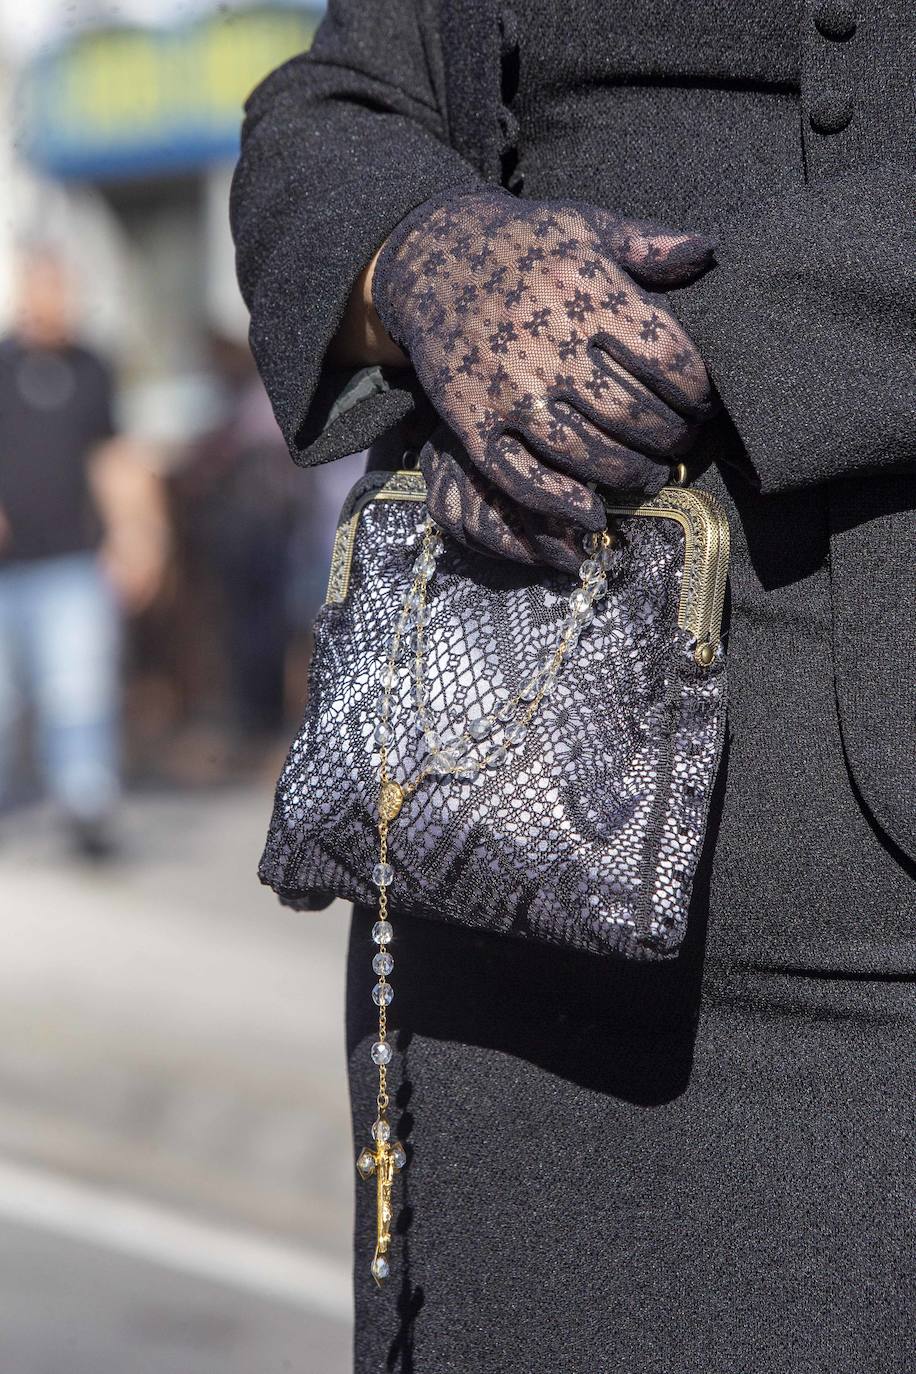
x,y
706,548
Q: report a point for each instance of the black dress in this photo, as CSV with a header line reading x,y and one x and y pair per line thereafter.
x,y
698,1168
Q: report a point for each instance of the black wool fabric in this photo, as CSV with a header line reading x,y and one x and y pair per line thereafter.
x,y
349,134
700,1167
611,1172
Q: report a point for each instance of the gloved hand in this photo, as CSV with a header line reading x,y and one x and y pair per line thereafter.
x,y
529,332
473,511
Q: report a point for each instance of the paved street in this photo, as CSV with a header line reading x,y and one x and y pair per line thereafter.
x,y
175,1172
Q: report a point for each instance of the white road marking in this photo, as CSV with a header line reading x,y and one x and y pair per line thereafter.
x,y
146,1231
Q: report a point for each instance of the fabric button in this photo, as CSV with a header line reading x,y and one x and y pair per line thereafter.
x,y
836,19
831,113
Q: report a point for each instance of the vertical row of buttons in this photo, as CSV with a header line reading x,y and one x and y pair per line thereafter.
x,y
832,111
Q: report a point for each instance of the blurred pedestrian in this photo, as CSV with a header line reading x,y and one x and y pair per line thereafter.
x,y
239,496
66,558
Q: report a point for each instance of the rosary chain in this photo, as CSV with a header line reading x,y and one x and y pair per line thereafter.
x,y
515,711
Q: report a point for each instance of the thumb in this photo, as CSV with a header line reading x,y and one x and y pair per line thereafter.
x,y
658,257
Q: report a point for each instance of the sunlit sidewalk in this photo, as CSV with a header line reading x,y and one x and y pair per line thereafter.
x,y
172,1096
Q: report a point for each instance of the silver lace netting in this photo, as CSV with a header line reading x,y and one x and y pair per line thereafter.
x,y
588,836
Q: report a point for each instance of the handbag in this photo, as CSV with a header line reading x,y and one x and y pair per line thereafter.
x,y
496,746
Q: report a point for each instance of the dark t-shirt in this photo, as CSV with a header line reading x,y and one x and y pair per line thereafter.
x,y
55,406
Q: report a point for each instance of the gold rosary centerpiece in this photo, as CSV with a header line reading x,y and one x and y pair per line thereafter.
x,y
391,800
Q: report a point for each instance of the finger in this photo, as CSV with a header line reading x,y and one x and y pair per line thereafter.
x,y
499,531
554,543
623,411
464,506
640,331
444,495
535,540
575,443
642,335
483,519
600,458
632,412
654,254
523,477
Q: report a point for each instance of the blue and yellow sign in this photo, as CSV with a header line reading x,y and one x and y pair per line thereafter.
x,y
117,103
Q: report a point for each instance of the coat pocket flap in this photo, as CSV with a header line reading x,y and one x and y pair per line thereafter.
x,y
873,574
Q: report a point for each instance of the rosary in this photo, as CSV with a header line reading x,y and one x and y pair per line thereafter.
x,y
483,742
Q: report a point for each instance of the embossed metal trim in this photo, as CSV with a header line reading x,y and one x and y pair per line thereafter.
x,y
406,485
706,543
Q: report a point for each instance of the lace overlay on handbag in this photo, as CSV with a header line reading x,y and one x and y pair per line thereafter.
x,y
588,832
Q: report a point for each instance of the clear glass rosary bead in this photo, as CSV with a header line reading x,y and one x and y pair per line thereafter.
x,y
425,565
581,607
597,588
383,994
480,727
383,875
383,962
382,733
389,677
571,629
454,752
380,1267
507,711
589,569
514,733
381,1054
531,688
381,1130
382,932
496,756
365,1163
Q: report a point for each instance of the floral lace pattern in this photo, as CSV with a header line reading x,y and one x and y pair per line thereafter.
x,y
531,331
479,515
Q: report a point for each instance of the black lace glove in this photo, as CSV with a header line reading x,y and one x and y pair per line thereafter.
x,y
463,502
529,332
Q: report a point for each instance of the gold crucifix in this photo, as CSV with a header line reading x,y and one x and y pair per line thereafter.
x,y
383,1161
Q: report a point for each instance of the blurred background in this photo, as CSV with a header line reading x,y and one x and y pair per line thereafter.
x,y
175,1163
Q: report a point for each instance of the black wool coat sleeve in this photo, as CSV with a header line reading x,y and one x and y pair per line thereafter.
x,y
806,322
338,145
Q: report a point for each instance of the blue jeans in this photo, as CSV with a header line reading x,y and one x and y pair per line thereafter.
x,y
60,655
